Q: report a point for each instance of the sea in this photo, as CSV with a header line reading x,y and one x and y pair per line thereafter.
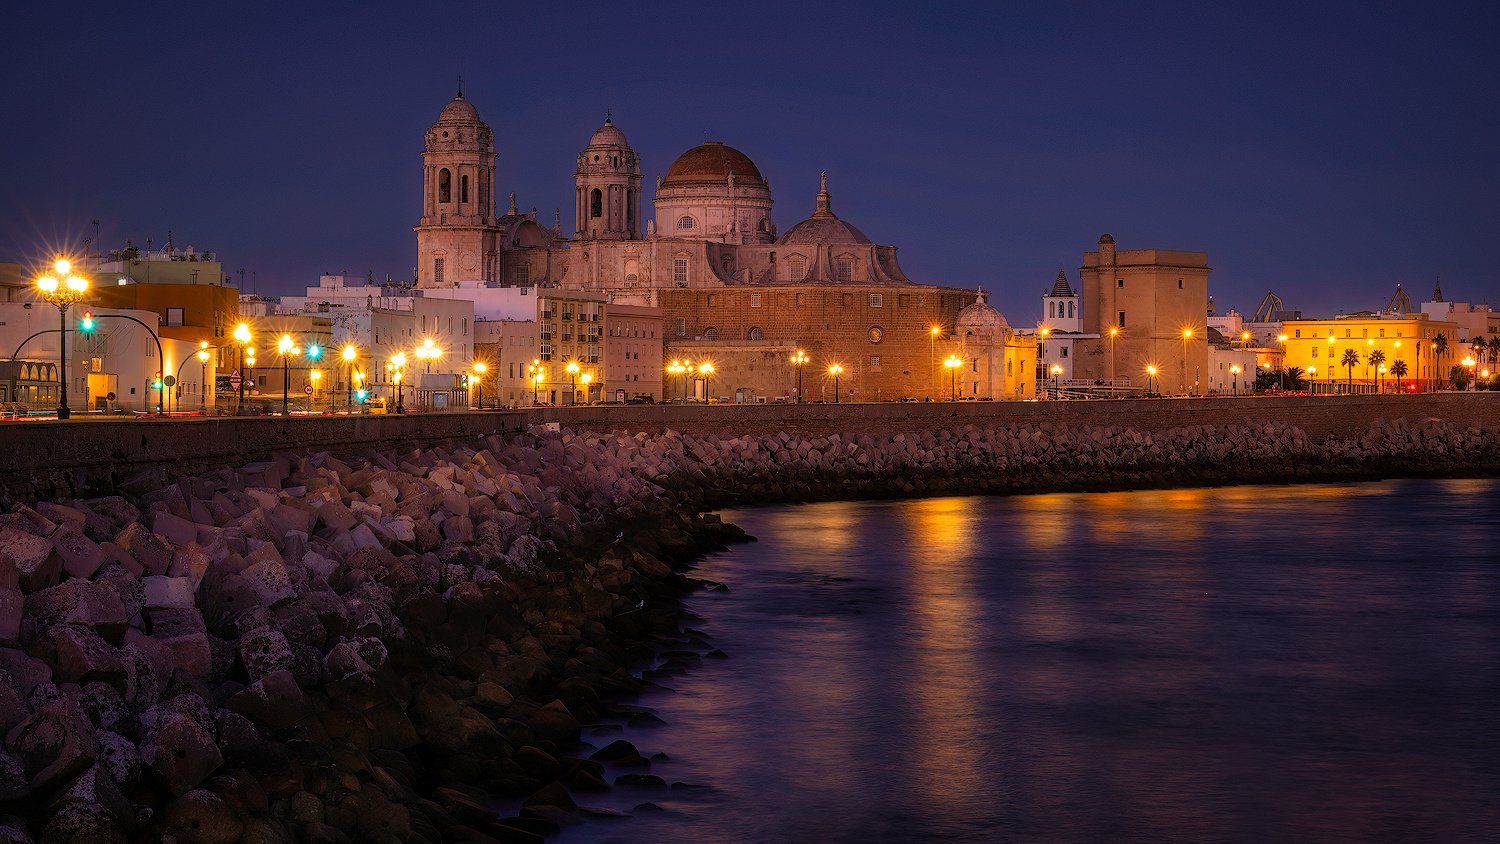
x,y
1308,663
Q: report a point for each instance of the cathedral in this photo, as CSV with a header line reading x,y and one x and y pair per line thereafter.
x,y
733,290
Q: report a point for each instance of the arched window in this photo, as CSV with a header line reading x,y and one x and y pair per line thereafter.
x,y
445,185
756,334
710,333
686,223
796,268
596,203
631,279
761,226
463,188
1070,310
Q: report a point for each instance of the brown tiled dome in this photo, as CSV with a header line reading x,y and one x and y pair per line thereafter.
x,y
712,162
459,110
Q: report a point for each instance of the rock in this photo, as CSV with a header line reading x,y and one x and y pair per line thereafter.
x,y
80,556
202,817
12,608
83,823
275,700
265,651
148,549
181,754
55,743
25,671
163,591
35,560
270,582
83,657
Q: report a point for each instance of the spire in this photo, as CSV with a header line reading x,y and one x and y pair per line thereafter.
x,y
460,87
1437,295
1061,286
825,204
607,117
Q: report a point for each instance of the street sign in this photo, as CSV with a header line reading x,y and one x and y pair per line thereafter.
x,y
170,380
307,389
235,380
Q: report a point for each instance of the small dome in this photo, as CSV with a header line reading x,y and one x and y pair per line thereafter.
x,y
608,135
711,162
823,230
1107,239
460,110
981,314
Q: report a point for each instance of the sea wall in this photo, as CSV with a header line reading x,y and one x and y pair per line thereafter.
x,y
374,644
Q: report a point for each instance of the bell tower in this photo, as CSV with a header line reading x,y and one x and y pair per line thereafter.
x,y
457,236
607,187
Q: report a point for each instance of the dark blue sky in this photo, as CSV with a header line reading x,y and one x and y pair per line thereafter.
x,y
1324,152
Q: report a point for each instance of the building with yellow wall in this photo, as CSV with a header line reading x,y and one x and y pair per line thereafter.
x,y
1318,348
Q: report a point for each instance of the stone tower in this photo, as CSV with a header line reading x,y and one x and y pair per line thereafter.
x,y
607,188
457,237
1061,312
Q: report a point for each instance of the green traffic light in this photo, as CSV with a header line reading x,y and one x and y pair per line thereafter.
x,y
88,321
313,352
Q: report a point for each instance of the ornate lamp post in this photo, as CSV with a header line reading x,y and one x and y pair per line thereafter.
x,y
1235,368
1468,363
800,357
1151,378
534,375
1114,331
241,339
1281,338
428,353
1187,337
1312,373
588,395
835,370
1381,375
953,363
397,367
1056,379
479,370
203,379
677,367
286,347
932,335
349,354
63,295
707,371
572,369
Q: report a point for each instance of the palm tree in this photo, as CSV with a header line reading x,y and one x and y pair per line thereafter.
x,y
1377,357
1351,360
1439,348
1296,379
1398,369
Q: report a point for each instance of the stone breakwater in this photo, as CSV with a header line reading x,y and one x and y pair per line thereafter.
x,y
373,646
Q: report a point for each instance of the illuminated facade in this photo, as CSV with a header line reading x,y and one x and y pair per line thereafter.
x,y
1319,347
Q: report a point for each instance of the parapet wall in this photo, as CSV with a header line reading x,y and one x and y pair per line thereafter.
x,y
45,460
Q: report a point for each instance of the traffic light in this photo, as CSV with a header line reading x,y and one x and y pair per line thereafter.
x,y
88,321
156,380
463,380
360,394
313,351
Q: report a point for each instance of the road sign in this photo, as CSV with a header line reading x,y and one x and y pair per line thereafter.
x,y
307,389
170,380
235,380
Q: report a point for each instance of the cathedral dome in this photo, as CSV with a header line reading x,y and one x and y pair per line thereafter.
x,y
459,111
608,135
981,315
823,226
712,162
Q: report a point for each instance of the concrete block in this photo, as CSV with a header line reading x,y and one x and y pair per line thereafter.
x,y
36,562
83,657
162,591
12,607
175,529
275,700
182,754
148,549
265,651
25,671
55,744
80,556
270,581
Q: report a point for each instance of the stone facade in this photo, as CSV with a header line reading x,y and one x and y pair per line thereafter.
x,y
731,289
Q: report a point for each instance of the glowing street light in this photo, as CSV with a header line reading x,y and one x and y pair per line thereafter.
x,y
397,368
349,355
1235,368
678,367
835,370
428,352
1056,372
1150,378
286,347
572,369
932,335
63,295
1114,331
587,391
203,357
953,363
241,339
1187,336
707,371
479,370
1281,338
534,375
800,357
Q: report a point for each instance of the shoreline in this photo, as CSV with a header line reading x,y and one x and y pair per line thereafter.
x,y
379,646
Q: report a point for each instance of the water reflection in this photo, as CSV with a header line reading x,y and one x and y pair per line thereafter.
x,y
1247,664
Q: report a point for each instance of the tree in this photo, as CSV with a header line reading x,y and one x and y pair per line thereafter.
x,y
1351,360
1494,351
1398,369
1439,348
1459,377
1377,357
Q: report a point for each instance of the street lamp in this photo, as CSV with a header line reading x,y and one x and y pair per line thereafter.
x,y
572,369
932,335
1187,336
203,379
1114,331
1056,386
358,378
1381,375
678,368
286,347
1469,364
1044,331
835,370
63,295
587,391
1281,338
1312,374
800,358
397,368
953,363
1150,378
534,375
479,370
241,339
707,370
428,353
1235,368
350,353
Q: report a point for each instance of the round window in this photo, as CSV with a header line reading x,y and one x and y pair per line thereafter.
x,y
876,334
